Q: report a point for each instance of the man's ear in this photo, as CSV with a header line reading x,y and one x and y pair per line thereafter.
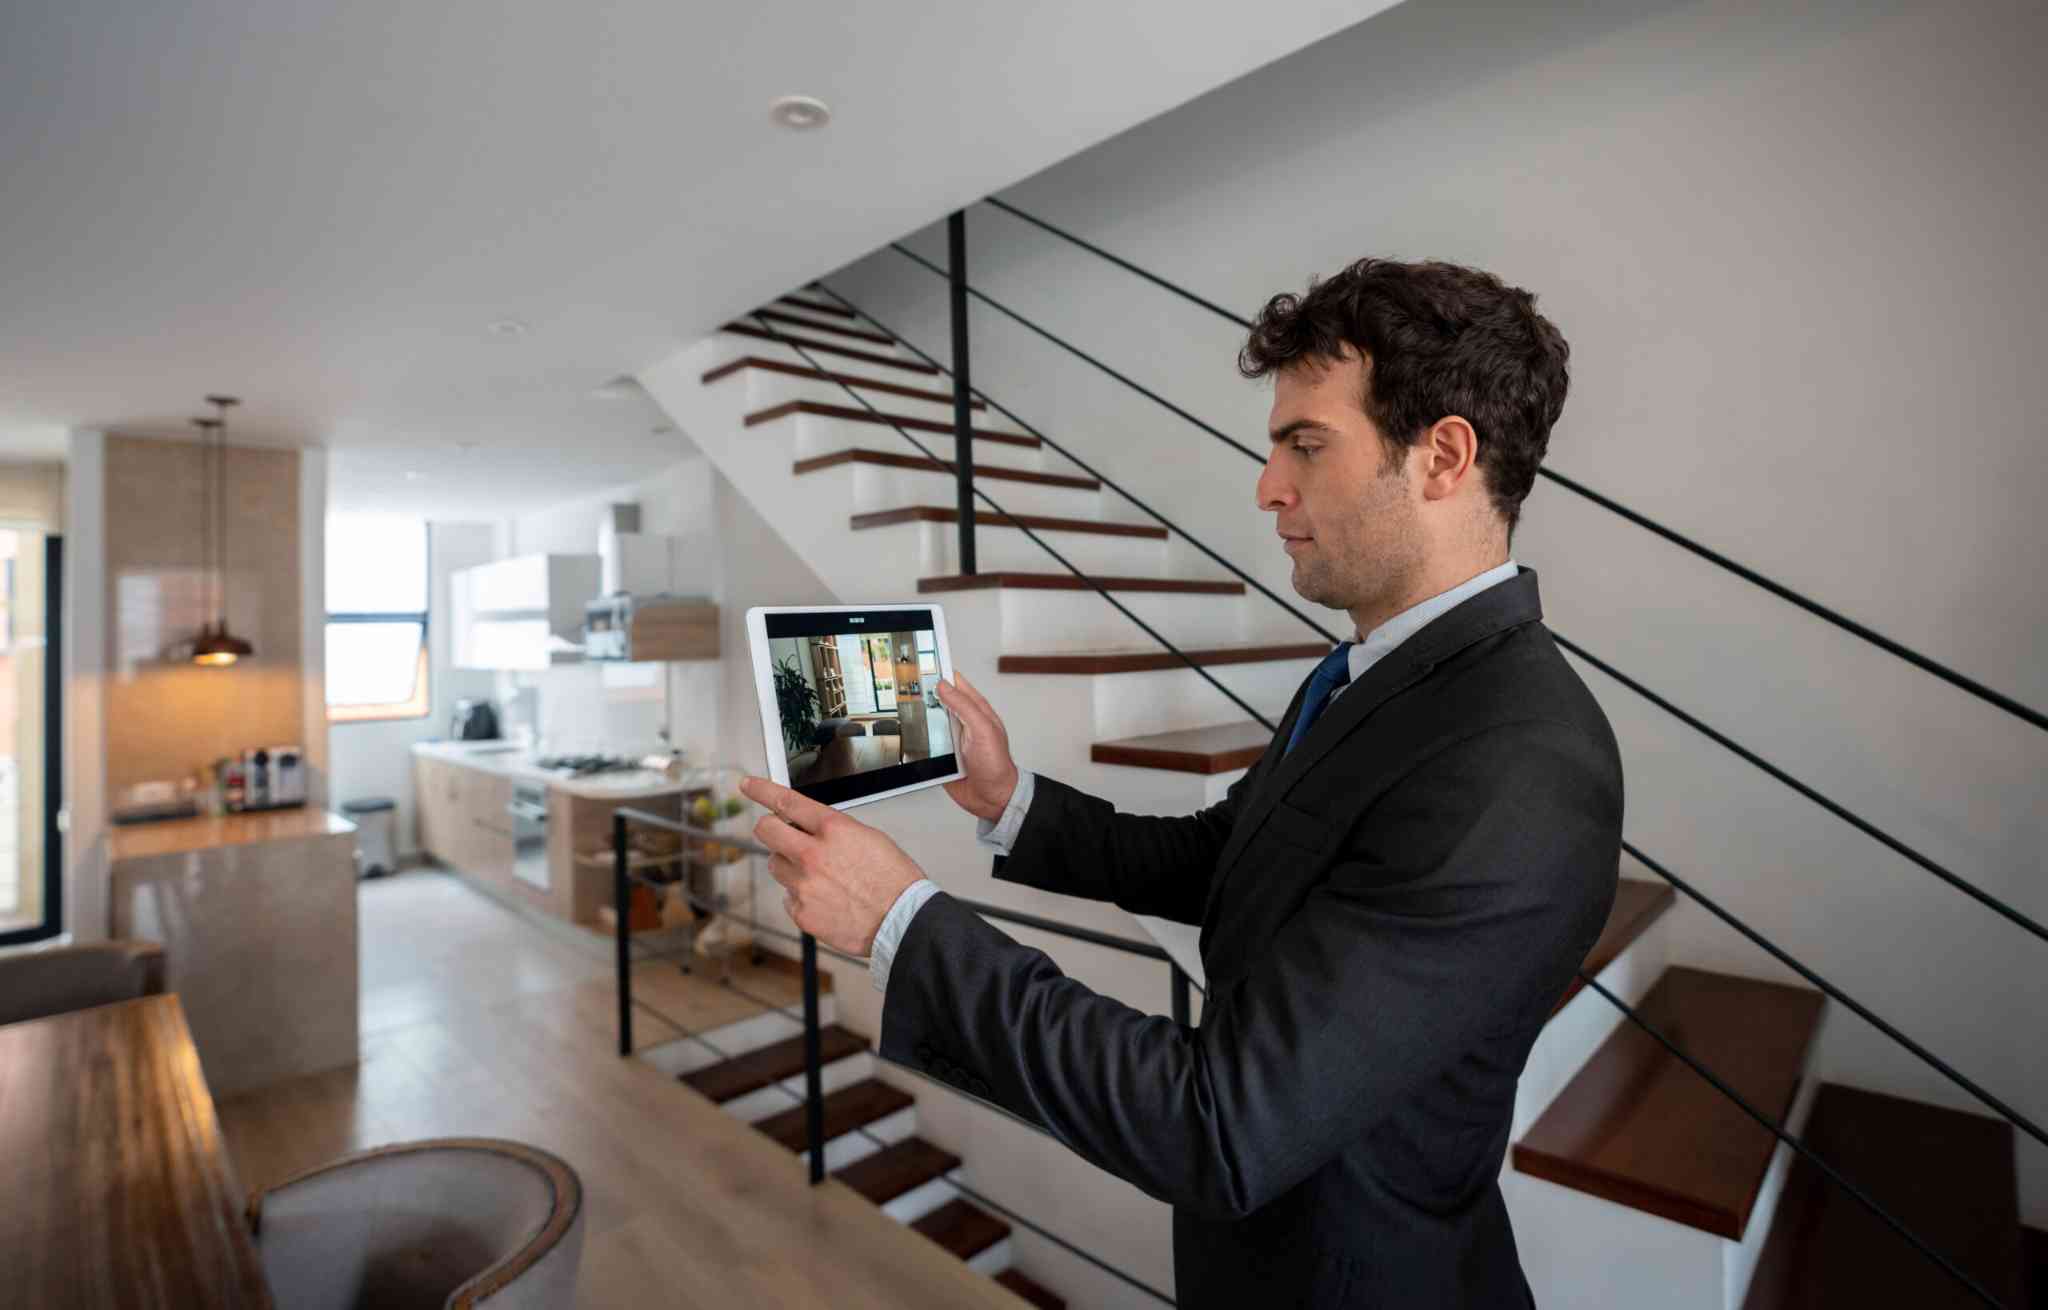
x,y
1450,457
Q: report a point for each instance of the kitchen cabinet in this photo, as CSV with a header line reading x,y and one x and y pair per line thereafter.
x,y
522,613
463,819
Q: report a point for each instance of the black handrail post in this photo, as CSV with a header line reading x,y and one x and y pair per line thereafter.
x,y
1181,998
814,1064
963,393
622,913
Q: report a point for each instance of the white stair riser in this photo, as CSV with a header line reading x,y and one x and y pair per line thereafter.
x,y
825,434
1025,619
1586,1022
717,1045
994,1260
766,389
1040,709
863,1142
732,345
920,1201
931,550
777,1097
878,487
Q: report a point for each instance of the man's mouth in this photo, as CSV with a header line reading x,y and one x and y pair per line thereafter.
x,y
1292,543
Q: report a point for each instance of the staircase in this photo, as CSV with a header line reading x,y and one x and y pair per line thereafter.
x,y
1631,1180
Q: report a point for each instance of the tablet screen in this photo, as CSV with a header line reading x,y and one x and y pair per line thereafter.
x,y
855,697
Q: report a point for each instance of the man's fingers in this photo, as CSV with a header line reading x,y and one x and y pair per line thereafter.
x,y
788,843
972,712
785,871
792,807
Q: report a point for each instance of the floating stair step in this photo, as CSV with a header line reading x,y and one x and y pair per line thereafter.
x,y
771,1064
815,306
1638,1127
1033,1292
855,414
965,1230
988,518
898,1168
1068,582
854,380
1947,1176
1638,903
829,348
918,463
782,317
1220,749
1149,659
845,1110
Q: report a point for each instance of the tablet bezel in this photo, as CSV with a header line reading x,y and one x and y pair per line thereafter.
x,y
771,715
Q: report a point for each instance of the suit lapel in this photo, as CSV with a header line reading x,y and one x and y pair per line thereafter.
x,y
1507,605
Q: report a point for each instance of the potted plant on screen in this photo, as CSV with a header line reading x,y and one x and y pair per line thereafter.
x,y
797,701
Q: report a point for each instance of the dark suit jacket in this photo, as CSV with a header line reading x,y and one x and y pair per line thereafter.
x,y
1388,915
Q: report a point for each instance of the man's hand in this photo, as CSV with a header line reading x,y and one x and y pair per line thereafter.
x,y
984,750
839,876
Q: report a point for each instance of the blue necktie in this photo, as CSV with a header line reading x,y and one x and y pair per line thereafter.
x,y
1332,673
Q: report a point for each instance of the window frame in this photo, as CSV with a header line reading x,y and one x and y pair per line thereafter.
x,y
421,703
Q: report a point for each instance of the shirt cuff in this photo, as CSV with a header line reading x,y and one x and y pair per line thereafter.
x,y
894,924
1002,834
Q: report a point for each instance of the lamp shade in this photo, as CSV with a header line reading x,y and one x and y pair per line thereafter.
x,y
217,647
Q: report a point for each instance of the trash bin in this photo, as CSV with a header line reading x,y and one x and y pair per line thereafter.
x,y
376,821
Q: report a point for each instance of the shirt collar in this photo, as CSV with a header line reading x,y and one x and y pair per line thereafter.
x,y
1381,641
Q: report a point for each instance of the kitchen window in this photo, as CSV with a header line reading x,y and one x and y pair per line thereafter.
x,y
376,619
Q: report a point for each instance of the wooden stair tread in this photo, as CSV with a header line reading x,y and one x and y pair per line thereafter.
x,y
1147,660
1068,582
855,414
758,1068
1218,749
779,316
988,518
1950,1179
965,1230
1638,903
1020,1283
845,1110
817,305
897,1168
1638,1127
895,459
828,348
854,380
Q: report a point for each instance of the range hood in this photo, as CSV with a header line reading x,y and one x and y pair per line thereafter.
x,y
636,616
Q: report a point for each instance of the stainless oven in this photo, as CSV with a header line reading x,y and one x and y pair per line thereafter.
x,y
529,811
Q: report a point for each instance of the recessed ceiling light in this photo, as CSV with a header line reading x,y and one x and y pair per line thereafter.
x,y
413,475
616,389
508,328
800,112
662,429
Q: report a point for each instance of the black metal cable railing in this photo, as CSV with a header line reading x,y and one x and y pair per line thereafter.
x,y
2001,1107
625,878
1926,664
1863,1011
1040,542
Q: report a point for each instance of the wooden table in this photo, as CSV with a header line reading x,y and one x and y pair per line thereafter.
x,y
117,1189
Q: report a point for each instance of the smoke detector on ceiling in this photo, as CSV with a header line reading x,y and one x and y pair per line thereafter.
x,y
800,112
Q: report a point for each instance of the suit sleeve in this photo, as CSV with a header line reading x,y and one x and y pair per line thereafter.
x,y
1463,904
1080,845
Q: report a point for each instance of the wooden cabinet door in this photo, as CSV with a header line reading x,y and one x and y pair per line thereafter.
x,y
430,805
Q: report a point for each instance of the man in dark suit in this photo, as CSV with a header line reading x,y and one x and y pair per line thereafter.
x,y
1391,900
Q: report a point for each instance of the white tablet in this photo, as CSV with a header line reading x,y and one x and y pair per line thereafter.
x,y
850,699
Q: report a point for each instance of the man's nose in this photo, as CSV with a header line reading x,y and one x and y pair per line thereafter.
x,y
1273,491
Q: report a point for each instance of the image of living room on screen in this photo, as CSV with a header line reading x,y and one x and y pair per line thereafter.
x,y
854,702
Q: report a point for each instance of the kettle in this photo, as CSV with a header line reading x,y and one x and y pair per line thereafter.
x,y
473,720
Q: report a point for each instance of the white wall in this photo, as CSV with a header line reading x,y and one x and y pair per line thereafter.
x,y
375,758
85,675
1793,249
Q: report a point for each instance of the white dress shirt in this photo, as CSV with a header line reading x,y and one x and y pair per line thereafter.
x,y
1002,834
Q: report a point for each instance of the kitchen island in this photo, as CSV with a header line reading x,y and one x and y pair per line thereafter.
x,y
257,916
532,835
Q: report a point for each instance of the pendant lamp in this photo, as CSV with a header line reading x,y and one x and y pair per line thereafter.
x,y
215,646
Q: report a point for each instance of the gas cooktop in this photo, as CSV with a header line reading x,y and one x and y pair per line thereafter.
x,y
581,766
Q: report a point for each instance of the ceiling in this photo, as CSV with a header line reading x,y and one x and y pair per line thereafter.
x,y
326,208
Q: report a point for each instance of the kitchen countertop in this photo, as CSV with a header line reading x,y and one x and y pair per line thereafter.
x,y
180,836
517,762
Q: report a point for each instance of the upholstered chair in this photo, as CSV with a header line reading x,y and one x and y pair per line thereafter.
x,y
448,1223
36,984
886,728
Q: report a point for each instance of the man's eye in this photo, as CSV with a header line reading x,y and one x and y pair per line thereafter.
x,y
1304,449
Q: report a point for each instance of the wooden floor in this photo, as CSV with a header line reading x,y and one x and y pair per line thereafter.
x,y
476,1021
